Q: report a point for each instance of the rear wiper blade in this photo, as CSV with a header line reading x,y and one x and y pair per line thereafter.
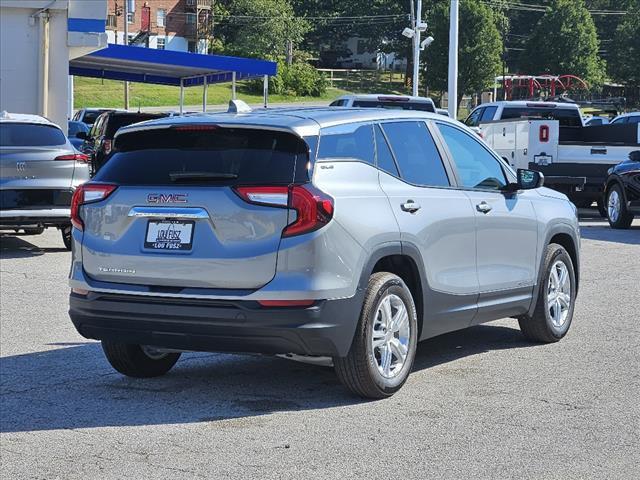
x,y
187,176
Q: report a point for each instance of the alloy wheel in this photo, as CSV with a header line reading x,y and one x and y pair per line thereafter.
x,y
559,294
391,334
613,206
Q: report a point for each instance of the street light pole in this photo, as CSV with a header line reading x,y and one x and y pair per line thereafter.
x,y
416,49
452,94
126,42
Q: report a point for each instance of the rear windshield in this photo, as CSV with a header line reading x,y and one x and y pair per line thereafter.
x,y
118,121
30,135
223,156
567,117
421,106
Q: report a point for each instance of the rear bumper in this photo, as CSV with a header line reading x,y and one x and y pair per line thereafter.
x,y
51,217
324,329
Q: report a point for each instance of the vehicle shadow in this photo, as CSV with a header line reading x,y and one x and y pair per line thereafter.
x,y
12,246
74,387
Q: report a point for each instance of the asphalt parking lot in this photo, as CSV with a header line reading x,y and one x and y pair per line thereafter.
x,y
481,403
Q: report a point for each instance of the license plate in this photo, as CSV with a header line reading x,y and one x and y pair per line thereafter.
x,y
543,159
169,235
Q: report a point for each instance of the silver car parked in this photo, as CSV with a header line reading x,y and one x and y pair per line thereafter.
x,y
39,170
343,233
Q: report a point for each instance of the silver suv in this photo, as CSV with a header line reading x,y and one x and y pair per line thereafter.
x,y
39,170
351,234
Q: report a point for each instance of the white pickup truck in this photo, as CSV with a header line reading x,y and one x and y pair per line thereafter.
x,y
574,160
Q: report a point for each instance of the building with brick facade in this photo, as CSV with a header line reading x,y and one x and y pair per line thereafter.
x,y
183,25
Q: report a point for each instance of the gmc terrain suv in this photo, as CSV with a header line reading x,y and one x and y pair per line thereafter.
x,y
343,233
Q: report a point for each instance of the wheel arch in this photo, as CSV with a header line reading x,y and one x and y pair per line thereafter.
x,y
563,235
396,258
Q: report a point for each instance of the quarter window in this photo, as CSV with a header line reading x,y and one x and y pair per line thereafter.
x,y
416,154
477,168
353,141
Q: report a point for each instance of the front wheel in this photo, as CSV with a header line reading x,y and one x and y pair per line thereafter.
x,y
554,307
617,213
384,345
139,361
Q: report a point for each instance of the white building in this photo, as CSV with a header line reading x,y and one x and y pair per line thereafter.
x,y
361,57
37,40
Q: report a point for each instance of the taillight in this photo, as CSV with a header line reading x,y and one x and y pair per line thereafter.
x,y
77,157
106,146
88,193
314,208
544,133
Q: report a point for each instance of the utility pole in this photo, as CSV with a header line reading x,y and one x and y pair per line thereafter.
x,y
416,49
126,42
417,27
452,94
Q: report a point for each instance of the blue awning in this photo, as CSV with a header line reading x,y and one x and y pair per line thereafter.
x,y
167,67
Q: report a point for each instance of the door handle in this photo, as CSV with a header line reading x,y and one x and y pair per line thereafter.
x,y
483,207
410,206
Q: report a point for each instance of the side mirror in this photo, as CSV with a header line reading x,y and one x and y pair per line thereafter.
x,y
635,156
82,135
529,179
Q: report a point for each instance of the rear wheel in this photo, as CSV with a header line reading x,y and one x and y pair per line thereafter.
x,y
384,345
617,213
139,361
553,312
66,236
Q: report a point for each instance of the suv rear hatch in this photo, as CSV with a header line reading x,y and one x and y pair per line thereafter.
x,y
36,166
177,216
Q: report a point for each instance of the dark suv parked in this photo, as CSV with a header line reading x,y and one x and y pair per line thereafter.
x,y
622,192
97,143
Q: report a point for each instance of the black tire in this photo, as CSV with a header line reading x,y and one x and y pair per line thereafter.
x,y
358,371
132,361
34,231
539,327
66,236
624,217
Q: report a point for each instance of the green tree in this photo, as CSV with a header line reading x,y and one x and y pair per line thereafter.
x,y
479,47
625,50
258,28
564,41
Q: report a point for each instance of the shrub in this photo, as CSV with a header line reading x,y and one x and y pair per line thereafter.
x,y
299,79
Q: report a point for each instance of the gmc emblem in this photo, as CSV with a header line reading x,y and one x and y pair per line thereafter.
x,y
167,198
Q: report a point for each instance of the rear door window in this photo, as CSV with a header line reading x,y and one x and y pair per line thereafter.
x,y
220,156
416,154
30,135
350,141
488,114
